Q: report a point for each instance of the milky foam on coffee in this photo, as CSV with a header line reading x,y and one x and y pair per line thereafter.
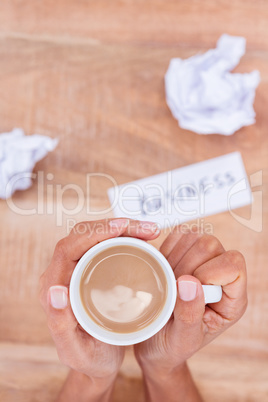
x,y
120,304
123,288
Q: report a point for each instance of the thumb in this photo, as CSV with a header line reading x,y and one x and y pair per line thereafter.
x,y
58,297
187,326
61,320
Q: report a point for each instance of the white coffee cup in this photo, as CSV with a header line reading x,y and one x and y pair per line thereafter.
x,y
212,294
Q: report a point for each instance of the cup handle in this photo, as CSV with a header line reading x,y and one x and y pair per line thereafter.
x,y
212,293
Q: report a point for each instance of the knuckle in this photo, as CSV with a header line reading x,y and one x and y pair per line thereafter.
x,y
190,318
233,315
61,249
235,312
209,243
237,260
216,322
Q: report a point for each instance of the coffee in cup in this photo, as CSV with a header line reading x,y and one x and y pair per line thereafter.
x,y
123,288
123,291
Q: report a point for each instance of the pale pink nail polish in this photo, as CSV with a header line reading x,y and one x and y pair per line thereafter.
x,y
149,227
58,297
187,290
119,223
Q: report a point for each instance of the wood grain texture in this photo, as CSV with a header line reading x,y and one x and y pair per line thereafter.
x,y
183,22
91,74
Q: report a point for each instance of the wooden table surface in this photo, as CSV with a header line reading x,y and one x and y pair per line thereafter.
x,y
91,74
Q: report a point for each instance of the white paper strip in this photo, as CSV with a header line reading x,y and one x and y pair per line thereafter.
x,y
184,194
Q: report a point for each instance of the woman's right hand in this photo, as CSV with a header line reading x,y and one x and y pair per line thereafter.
x,y
196,259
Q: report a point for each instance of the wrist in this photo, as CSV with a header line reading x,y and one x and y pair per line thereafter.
x,y
175,385
79,386
162,368
102,383
163,374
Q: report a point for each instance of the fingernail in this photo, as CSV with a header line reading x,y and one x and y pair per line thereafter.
x,y
187,290
149,227
119,223
58,296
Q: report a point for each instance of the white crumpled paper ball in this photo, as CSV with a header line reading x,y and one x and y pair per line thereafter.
x,y
18,155
205,97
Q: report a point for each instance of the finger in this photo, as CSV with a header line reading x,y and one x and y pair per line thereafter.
x,y
203,249
169,243
144,230
229,271
181,248
70,249
188,327
174,238
85,235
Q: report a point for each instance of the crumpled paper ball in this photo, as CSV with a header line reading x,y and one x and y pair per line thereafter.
x,y
18,155
205,97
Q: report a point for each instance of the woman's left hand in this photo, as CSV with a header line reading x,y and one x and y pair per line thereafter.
x,y
76,348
